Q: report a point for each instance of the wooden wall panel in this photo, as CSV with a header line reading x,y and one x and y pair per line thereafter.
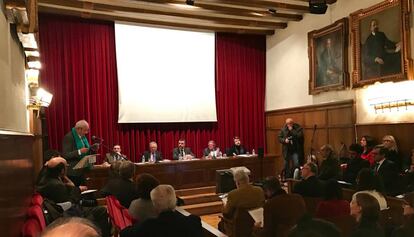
x,y
334,121
16,182
403,133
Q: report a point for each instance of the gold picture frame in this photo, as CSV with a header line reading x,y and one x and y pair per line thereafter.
x,y
328,58
381,45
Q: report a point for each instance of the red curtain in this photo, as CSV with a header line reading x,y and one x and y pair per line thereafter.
x,y
79,69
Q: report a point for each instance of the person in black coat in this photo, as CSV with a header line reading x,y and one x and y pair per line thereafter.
x,y
237,148
407,229
122,187
329,169
182,152
386,170
291,138
355,164
310,186
366,211
169,222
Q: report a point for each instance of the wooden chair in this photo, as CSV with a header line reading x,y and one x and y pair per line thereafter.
x,y
241,225
118,214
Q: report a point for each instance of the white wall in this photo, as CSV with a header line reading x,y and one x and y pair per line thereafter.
x,y
287,62
13,112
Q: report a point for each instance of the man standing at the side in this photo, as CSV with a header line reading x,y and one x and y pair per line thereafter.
x,y
74,147
291,138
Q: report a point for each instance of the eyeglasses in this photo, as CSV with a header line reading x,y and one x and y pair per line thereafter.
x,y
386,140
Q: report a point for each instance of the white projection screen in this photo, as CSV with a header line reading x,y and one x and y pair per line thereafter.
x,y
165,75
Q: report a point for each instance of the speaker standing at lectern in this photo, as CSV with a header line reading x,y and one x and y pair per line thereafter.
x,y
75,146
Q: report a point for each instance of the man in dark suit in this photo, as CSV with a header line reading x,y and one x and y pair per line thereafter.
x,y
58,188
281,211
74,147
354,164
237,148
291,138
169,221
310,186
153,155
182,152
386,170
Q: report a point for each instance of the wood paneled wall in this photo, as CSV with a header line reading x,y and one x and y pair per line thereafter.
x,y
334,125
16,181
402,132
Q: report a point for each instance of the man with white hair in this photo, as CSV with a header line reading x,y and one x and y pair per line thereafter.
x,y
71,227
169,222
246,196
75,146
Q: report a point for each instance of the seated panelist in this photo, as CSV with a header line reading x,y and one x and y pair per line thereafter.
x,y
182,152
211,151
152,155
115,155
237,148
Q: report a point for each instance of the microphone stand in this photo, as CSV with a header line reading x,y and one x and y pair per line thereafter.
x,y
311,146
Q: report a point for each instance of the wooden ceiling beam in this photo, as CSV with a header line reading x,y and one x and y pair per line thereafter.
x,y
152,20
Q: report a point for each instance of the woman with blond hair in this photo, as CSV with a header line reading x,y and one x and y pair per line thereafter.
x,y
392,151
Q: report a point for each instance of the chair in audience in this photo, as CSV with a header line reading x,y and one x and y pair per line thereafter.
x,y
118,214
31,228
37,200
311,204
241,225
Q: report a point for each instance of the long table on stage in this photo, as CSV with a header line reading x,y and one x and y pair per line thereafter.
x,y
191,173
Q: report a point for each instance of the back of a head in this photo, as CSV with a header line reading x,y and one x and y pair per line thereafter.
x,y
240,176
356,148
126,170
49,154
145,184
114,168
333,190
163,197
71,227
272,184
313,167
81,124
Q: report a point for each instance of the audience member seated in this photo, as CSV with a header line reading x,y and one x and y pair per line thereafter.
x,y
366,211
281,210
392,154
47,155
142,208
386,170
237,148
329,169
244,196
58,188
182,152
310,186
122,187
367,143
169,222
313,227
114,155
343,154
211,151
71,227
369,183
409,174
333,204
355,164
153,155
407,229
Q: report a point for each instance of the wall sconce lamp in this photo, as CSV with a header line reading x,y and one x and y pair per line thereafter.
x,y
42,98
389,105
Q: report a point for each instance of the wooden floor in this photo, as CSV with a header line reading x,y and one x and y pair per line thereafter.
x,y
212,219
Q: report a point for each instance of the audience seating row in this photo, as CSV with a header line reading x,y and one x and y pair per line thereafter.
x,y
35,221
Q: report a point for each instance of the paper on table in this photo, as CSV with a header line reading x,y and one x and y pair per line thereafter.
x,y
89,191
257,215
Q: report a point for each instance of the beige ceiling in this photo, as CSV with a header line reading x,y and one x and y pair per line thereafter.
x,y
239,16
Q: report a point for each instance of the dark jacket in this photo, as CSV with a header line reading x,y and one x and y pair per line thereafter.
x,y
368,229
296,135
388,173
352,169
310,187
406,230
329,169
54,189
168,223
176,152
238,150
147,156
308,226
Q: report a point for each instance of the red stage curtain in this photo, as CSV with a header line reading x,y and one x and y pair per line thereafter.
x,y
79,68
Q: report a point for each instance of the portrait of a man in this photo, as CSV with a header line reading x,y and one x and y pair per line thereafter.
x,y
381,43
328,57
329,62
380,55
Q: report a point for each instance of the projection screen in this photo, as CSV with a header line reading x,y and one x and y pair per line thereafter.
x,y
165,75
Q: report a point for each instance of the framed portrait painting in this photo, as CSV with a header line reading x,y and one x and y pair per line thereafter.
x,y
328,57
381,43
